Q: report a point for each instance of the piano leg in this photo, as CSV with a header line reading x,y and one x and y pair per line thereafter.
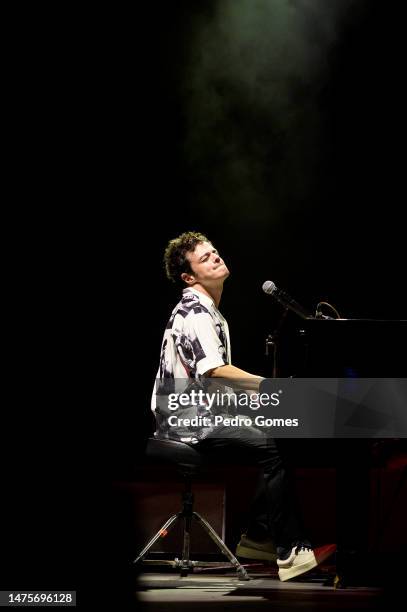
x,y
353,559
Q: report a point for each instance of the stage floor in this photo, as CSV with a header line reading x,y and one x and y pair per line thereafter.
x,y
197,592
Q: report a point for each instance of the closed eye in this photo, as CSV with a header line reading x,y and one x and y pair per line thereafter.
x,y
206,256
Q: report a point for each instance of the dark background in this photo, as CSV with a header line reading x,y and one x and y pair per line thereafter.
x,y
306,192
278,131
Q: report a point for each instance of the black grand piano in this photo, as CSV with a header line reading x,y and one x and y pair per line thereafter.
x,y
341,348
337,348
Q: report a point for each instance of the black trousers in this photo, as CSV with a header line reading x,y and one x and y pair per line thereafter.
x,y
274,510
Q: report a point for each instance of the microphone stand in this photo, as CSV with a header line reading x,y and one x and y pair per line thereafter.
x,y
272,342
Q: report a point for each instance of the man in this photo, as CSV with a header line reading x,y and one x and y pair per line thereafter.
x,y
195,354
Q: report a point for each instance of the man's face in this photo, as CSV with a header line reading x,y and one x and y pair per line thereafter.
x,y
206,264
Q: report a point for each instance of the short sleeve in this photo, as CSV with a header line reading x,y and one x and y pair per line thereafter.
x,y
209,351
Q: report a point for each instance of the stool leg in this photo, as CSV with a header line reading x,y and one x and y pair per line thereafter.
x,y
187,512
160,533
185,562
241,572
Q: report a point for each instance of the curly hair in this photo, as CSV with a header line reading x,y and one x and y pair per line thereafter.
x,y
175,260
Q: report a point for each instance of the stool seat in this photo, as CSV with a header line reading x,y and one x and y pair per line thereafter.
x,y
172,451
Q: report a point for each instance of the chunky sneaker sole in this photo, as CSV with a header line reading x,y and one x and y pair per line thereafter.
x,y
254,553
301,560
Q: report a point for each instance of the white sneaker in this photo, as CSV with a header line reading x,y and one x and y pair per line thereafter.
x,y
301,560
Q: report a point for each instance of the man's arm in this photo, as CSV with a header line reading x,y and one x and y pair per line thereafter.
x,y
239,377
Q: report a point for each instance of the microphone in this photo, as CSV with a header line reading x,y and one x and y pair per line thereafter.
x,y
286,300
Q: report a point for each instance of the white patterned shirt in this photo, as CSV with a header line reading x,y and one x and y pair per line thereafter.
x,y
195,340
